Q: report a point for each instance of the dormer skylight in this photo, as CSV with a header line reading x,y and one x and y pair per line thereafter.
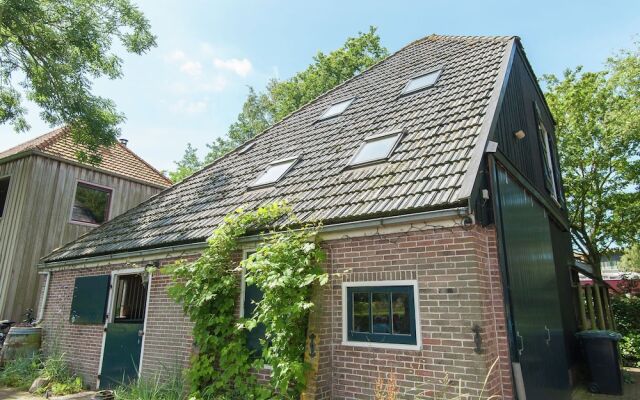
x,y
246,148
336,109
376,147
274,172
422,81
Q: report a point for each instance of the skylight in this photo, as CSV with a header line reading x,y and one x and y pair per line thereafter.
x,y
246,148
336,109
275,171
421,82
376,148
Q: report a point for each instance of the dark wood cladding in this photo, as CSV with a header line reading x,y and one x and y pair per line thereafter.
x,y
518,113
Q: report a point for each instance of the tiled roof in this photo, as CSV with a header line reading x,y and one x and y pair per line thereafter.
x,y
425,171
117,159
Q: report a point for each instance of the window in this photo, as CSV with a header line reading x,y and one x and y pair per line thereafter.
x,y
376,148
250,297
89,302
422,81
91,204
4,190
275,171
547,156
130,299
246,148
382,313
336,109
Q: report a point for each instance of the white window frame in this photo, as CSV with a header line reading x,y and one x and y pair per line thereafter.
x,y
399,132
345,315
294,160
324,115
73,201
437,71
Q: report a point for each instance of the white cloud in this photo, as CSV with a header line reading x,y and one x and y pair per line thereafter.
x,y
237,66
183,106
191,68
175,56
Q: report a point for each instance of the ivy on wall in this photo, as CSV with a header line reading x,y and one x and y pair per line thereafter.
x,y
285,267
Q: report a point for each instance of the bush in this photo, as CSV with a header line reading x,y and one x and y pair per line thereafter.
x,y
626,311
21,372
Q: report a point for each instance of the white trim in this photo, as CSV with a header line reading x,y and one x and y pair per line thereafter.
x,y
73,202
112,286
144,327
416,301
6,200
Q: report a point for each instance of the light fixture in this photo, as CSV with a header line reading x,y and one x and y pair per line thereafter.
x,y
520,134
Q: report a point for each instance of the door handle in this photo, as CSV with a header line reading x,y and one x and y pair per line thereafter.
x,y
521,348
548,341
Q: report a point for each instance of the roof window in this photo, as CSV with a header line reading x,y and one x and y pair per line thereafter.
x,y
274,172
422,81
376,148
336,109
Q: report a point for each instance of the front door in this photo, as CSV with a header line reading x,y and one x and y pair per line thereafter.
x,y
535,305
124,331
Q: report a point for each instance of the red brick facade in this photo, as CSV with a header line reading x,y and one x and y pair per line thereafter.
x,y
459,283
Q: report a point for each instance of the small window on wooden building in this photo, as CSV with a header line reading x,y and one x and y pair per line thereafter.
x,y
130,299
89,304
381,314
546,147
4,191
91,204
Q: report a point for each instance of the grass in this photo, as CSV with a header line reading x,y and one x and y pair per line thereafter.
x,y
21,372
157,388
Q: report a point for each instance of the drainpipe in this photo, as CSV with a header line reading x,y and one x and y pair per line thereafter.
x,y
44,297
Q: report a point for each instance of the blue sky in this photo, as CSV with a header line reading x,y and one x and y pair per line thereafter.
x,y
192,86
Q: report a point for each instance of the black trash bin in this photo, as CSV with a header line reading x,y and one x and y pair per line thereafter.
x,y
603,357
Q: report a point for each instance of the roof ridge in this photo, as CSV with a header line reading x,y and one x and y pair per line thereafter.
x,y
154,169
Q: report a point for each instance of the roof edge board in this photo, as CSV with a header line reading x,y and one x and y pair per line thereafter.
x,y
491,118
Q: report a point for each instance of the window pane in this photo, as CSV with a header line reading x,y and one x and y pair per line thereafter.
x,y
361,320
336,109
380,310
273,173
91,204
421,82
4,189
401,314
375,149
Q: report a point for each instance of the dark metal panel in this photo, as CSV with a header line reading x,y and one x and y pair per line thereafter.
x,y
89,302
121,359
534,301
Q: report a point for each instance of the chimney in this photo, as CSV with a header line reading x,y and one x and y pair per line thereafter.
x,y
124,141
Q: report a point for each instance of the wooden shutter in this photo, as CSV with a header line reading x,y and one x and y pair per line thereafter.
x,y
89,304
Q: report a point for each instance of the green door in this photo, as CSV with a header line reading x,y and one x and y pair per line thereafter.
x,y
121,358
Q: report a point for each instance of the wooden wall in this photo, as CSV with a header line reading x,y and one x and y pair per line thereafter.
x,y
37,220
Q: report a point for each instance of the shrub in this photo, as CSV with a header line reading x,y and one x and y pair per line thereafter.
x,y
21,372
626,311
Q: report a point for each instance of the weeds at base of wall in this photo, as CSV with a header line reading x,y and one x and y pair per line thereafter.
x,y
57,377
156,388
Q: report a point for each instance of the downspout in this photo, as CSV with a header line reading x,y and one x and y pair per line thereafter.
x,y
44,297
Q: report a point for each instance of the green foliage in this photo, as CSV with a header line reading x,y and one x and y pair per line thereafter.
x,y
282,97
630,261
169,387
626,311
598,131
52,50
187,166
21,372
284,267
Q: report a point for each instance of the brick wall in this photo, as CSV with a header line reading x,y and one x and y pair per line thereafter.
x,y
459,286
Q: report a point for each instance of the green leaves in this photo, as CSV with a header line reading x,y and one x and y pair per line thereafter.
x,y
285,267
598,131
52,49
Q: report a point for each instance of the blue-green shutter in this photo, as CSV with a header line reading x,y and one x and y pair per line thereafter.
x,y
89,304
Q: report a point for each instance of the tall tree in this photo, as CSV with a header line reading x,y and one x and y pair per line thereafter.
x,y
598,130
50,50
187,165
630,261
280,98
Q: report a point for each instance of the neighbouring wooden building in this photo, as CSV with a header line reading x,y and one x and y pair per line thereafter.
x,y
436,177
48,198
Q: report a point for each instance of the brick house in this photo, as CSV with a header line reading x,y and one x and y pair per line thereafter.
x,y
48,198
436,176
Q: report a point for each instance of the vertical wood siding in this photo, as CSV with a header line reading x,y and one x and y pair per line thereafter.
x,y
37,220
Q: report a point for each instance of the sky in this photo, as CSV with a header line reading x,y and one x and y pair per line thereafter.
x,y
191,87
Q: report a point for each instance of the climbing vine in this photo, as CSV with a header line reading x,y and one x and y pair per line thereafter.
x,y
285,267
